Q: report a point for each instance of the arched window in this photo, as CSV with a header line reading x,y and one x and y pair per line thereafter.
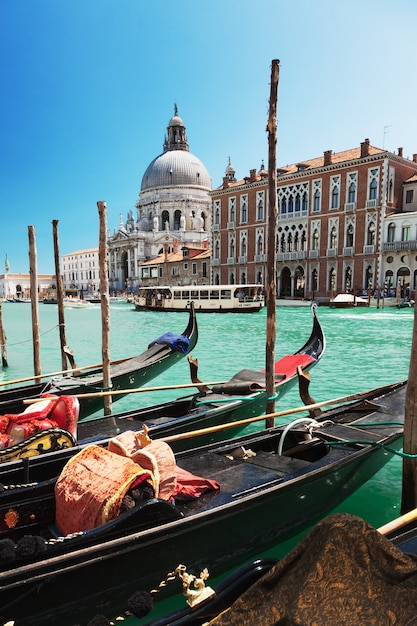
x,y
259,245
332,280
352,193
370,235
177,219
165,219
373,189
316,239
350,236
317,200
333,237
391,232
335,197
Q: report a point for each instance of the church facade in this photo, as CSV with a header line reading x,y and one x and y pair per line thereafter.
x,y
173,212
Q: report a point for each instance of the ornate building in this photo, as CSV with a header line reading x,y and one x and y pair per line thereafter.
x,y
173,210
345,223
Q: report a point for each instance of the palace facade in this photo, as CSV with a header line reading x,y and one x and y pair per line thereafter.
x,y
347,221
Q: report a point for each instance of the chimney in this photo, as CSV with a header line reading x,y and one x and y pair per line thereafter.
x,y
327,157
252,174
175,245
365,148
400,152
165,252
225,182
414,158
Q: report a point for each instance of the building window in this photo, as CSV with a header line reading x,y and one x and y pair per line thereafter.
x,y
244,209
204,269
316,241
405,233
352,192
370,235
217,249
335,192
232,209
165,219
177,219
350,236
373,178
217,212
243,248
409,194
316,196
194,268
333,237
391,232
260,205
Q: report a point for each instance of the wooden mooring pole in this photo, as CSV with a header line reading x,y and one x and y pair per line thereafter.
x,y
409,486
3,339
271,287
105,303
33,273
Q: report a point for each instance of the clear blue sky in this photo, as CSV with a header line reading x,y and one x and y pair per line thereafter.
x,y
88,88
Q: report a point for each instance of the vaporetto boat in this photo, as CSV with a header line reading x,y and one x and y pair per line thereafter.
x,y
241,298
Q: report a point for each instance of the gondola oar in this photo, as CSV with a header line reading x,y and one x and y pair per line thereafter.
x,y
76,369
250,420
398,522
117,392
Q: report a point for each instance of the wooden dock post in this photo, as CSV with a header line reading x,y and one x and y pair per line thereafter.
x,y
409,486
105,303
271,286
33,272
3,339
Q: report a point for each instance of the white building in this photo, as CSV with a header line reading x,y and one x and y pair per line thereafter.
x,y
174,208
80,270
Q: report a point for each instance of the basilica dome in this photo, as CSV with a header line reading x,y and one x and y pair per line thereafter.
x,y
176,166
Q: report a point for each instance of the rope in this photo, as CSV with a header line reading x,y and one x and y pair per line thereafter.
x,y
375,444
18,343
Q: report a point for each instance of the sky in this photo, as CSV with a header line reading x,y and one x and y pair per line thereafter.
x,y
89,86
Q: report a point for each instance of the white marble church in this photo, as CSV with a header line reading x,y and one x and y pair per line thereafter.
x,y
173,210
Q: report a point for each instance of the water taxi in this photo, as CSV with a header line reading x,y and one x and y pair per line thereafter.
x,y
207,298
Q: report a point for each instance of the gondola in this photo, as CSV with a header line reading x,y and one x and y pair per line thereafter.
x,y
130,373
343,572
211,507
240,398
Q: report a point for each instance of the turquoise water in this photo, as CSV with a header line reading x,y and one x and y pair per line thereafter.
x,y
366,348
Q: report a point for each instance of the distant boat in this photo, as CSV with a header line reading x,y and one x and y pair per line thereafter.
x,y
206,298
77,303
347,300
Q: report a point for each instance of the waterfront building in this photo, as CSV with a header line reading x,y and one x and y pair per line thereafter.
x,y
334,213
17,286
173,213
81,271
186,266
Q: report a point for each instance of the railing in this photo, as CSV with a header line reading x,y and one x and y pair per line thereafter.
x,y
313,254
231,260
243,259
331,252
215,262
399,245
369,249
371,204
350,206
216,228
348,251
230,224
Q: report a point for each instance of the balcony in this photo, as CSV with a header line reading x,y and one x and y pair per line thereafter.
x,y
371,204
216,228
397,246
243,259
348,251
350,207
231,260
313,254
331,252
369,249
215,262
230,224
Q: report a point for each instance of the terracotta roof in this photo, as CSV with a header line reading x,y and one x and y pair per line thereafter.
x,y
336,157
176,257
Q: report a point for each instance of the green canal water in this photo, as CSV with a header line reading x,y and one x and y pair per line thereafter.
x,y
365,348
